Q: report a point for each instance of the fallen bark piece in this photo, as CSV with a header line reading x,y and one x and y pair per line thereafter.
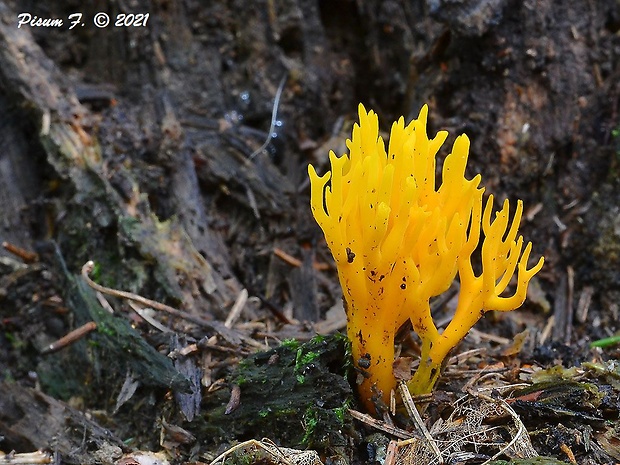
x,y
25,458
31,420
120,340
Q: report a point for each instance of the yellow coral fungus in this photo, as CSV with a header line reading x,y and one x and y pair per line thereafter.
x,y
398,240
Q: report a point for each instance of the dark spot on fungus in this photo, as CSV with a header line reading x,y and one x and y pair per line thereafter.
x,y
364,361
403,286
350,255
381,277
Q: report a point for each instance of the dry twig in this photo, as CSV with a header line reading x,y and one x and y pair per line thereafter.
x,y
417,419
225,332
281,455
381,425
70,338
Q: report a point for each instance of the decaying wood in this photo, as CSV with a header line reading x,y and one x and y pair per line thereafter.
x,y
66,129
31,420
222,329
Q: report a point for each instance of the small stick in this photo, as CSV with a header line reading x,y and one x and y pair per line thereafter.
x,y
282,255
458,359
226,453
569,453
70,338
585,299
393,430
570,275
417,419
547,330
235,311
25,255
296,262
390,453
142,313
489,337
88,268
265,444
104,303
274,309
38,457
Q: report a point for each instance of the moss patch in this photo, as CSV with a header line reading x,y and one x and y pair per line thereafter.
x,y
296,393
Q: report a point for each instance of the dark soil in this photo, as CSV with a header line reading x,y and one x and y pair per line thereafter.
x,y
143,149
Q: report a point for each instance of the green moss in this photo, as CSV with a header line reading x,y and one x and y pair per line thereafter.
x,y
342,412
302,361
290,343
310,423
615,134
296,394
316,435
16,343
